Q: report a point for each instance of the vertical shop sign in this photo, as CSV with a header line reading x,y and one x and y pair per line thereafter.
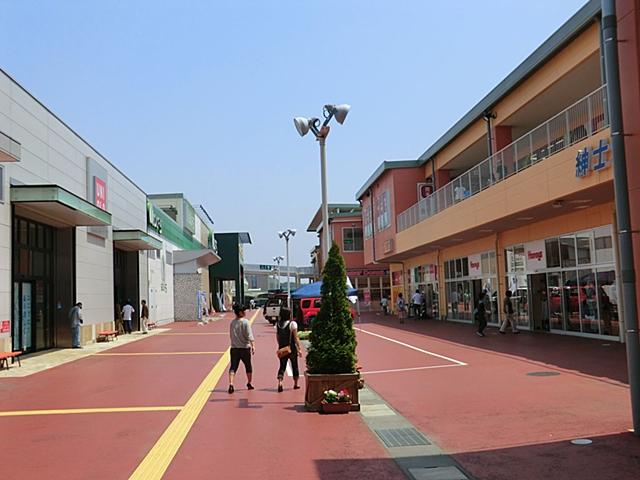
x,y
367,297
100,193
475,266
5,326
535,254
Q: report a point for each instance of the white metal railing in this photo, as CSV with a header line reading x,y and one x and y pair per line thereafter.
x,y
579,121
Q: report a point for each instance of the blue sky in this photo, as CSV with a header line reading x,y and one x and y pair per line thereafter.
x,y
198,96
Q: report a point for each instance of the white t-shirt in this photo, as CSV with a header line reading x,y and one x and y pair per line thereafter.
x,y
417,298
127,311
292,325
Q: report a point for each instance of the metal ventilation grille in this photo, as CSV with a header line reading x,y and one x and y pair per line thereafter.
x,y
401,437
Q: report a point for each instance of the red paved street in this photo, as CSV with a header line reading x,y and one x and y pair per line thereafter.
x,y
496,419
470,395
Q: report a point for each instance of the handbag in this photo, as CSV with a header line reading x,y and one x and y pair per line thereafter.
x,y
284,352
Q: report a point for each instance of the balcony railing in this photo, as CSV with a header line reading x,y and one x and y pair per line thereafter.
x,y
581,120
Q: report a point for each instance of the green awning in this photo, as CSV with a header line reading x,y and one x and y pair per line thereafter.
x,y
53,205
135,240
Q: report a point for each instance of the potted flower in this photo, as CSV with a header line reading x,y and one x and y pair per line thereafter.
x,y
331,357
336,402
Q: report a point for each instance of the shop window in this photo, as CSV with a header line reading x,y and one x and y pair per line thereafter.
x,y
366,221
519,258
571,300
508,260
588,302
484,263
568,251
553,252
603,244
383,211
465,267
352,240
583,243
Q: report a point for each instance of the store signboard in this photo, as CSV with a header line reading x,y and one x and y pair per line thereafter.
x,y
475,265
535,255
396,278
100,193
5,326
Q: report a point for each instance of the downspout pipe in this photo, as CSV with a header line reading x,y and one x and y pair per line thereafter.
x,y
630,312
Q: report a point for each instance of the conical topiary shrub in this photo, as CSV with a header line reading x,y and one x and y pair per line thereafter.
x,y
333,341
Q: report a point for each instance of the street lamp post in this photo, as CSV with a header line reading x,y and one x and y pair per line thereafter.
x,y
277,261
321,130
287,234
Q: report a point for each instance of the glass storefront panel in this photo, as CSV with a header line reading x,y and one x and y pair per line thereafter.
x,y
568,251
588,302
583,242
554,295
608,302
570,300
603,245
553,252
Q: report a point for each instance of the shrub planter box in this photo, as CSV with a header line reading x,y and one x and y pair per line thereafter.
x,y
317,383
336,407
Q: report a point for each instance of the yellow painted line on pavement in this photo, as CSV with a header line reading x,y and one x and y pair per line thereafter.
x,y
71,411
120,354
155,464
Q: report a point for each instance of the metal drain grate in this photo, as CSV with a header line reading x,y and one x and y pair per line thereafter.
x,y
543,374
401,437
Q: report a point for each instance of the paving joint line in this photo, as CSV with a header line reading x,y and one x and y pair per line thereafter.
x,y
412,460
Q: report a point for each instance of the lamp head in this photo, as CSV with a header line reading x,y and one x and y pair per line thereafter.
x,y
280,234
340,112
292,231
302,125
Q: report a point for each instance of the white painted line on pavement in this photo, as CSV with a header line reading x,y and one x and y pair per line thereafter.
x,y
412,369
458,362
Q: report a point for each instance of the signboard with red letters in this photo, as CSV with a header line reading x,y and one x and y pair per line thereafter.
x,y
5,326
100,193
535,255
475,266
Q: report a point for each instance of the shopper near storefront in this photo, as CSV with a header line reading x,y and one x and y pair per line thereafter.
x,y
480,315
127,315
402,308
507,309
243,345
384,303
416,303
75,317
144,316
455,299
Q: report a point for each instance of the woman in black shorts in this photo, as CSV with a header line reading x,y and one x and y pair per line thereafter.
x,y
287,334
243,346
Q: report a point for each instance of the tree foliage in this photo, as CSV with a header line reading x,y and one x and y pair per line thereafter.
x,y
333,341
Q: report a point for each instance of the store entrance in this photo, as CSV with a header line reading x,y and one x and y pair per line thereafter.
x,y
125,283
539,305
42,285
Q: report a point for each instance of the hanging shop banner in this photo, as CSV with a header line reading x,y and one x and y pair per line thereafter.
x,y
475,266
5,326
367,296
396,278
535,255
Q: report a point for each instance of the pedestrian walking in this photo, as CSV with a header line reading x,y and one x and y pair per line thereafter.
x,y
289,348
243,345
384,303
144,316
487,304
480,315
416,303
455,299
127,315
75,317
402,308
507,309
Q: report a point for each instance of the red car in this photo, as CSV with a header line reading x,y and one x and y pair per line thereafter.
x,y
310,308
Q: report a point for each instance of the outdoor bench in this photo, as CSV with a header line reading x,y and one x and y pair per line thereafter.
x,y
108,335
5,356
